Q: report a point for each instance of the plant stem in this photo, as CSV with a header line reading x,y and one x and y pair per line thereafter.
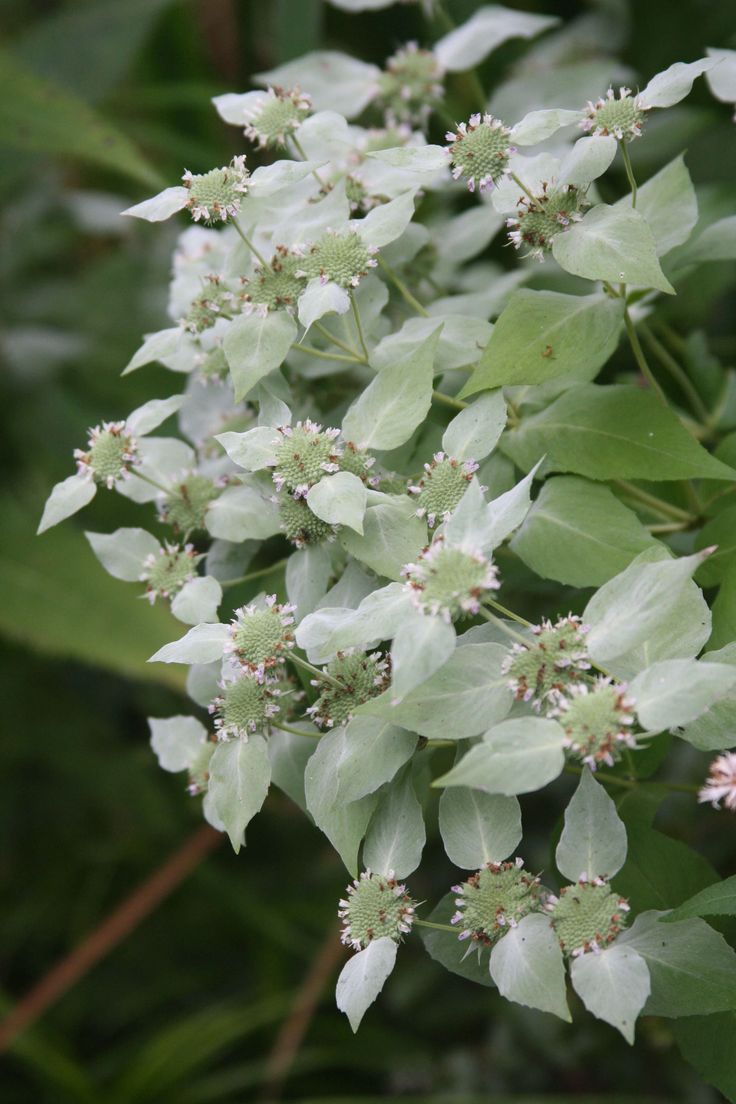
x,y
300,150
359,326
512,633
283,727
523,187
441,743
159,486
668,527
336,341
299,662
436,927
256,574
324,355
678,373
612,778
509,613
629,170
249,243
402,288
641,360
448,400
656,505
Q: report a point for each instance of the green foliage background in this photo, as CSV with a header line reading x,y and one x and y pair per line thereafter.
x,y
102,102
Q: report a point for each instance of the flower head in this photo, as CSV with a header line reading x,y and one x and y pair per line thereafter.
x,y
537,223
261,636
376,907
720,785
411,84
216,301
300,525
597,719
338,258
218,193
186,505
304,453
275,286
245,705
493,900
361,676
479,151
443,484
111,453
449,581
540,672
586,916
165,572
275,115
620,118
358,462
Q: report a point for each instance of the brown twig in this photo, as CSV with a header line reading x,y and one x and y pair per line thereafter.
x,y
120,923
295,1026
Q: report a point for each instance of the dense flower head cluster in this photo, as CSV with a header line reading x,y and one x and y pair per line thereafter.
x,y
443,484
275,286
247,704
216,195
449,582
276,115
358,462
338,258
536,224
720,785
304,454
479,151
261,635
541,671
185,507
495,899
354,678
216,301
376,907
300,525
586,916
411,84
111,454
165,572
621,118
597,718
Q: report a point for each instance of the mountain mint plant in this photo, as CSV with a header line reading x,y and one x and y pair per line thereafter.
x,y
391,441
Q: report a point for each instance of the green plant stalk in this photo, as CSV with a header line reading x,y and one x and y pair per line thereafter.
x,y
401,287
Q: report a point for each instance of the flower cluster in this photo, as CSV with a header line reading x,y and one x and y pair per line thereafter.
x,y
720,785
586,916
165,572
620,118
337,258
495,899
376,906
276,115
352,678
440,489
217,194
540,219
411,85
597,719
111,454
449,582
541,671
479,151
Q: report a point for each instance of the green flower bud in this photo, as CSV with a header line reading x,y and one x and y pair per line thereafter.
x,y
245,705
411,84
277,114
218,193
597,719
376,906
165,572
537,224
301,526
480,151
260,637
443,484
586,916
276,287
185,508
111,454
341,259
495,899
449,581
540,672
216,301
358,462
304,454
620,118
361,677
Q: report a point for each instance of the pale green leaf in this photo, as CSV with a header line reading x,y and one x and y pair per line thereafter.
x,y
614,244
613,985
527,966
197,601
122,553
515,757
593,840
177,741
396,835
363,977
478,828
202,644
255,345
340,499
392,536
490,26
678,691
239,777
421,645
474,432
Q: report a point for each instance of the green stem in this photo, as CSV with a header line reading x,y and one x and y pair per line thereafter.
x,y
283,727
435,927
448,400
512,633
402,288
168,491
668,527
249,244
656,505
328,334
300,150
523,187
603,777
324,355
359,326
299,662
641,360
256,574
508,613
678,373
629,171
441,743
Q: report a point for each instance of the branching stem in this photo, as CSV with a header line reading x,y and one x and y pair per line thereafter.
x,y
402,288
